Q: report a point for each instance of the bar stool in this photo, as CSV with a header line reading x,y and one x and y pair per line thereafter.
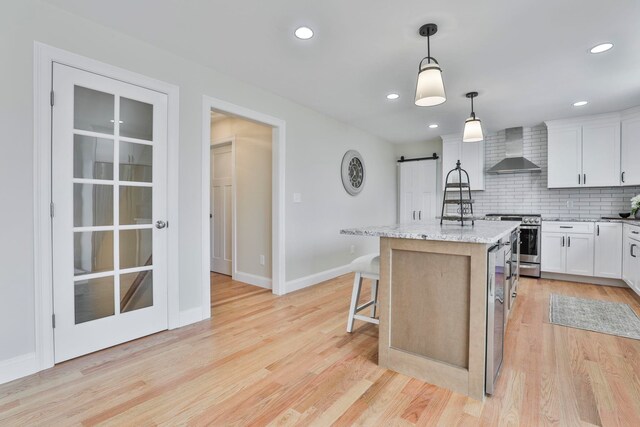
x,y
365,267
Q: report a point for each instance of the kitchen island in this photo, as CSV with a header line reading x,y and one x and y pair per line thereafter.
x,y
433,300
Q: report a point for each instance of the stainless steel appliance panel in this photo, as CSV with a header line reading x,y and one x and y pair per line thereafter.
x,y
498,269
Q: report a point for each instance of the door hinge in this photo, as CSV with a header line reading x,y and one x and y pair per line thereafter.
x,y
52,98
52,209
53,320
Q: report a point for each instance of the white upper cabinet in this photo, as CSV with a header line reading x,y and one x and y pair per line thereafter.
x,y
565,157
584,152
630,147
471,156
601,154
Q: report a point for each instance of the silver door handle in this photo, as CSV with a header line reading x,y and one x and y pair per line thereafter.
x,y
161,224
622,177
569,241
562,241
597,230
633,246
420,215
414,215
584,180
579,179
566,226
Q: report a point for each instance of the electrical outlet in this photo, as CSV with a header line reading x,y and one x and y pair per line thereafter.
x,y
352,250
261,259
297,198
570,204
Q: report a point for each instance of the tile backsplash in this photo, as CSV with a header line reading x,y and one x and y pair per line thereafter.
x,y
528,193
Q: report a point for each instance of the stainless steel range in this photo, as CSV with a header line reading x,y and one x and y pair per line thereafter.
x,y
530,238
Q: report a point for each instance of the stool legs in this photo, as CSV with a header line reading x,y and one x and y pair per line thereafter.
x,y
374,297
355,296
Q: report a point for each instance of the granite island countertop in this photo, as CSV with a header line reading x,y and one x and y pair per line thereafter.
x,y
482,232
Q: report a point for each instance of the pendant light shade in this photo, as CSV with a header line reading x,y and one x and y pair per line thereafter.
x,y
430,87
473,125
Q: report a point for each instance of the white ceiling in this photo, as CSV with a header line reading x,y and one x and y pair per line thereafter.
x,y
528,59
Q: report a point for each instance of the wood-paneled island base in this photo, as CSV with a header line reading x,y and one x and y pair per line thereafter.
x,y
433,301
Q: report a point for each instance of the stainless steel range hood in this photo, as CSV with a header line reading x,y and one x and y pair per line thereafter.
x,y
514,161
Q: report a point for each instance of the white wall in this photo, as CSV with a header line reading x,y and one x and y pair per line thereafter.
x,y
315,145
253,191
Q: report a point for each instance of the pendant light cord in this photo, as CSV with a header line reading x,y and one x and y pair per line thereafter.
x,y
472,113
428,49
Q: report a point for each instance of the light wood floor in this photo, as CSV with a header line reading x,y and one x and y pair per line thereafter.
x,y
288,361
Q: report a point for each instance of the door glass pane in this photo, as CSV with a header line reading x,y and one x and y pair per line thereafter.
x,y
93,110
92,205
136,290
93,251
135,205
135,162
92,157
136,119
93,299
135,248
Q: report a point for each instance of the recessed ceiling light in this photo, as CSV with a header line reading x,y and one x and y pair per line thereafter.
x,y
603,47
304,33
393,96
580,103
433,126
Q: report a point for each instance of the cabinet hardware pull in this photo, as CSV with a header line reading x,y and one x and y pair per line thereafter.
x,y
569,241
635,232
623,177
414,215
566,226
633,246
584,180
579,179
563,241
597,230
420,215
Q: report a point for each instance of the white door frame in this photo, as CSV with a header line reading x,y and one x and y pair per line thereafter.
x,y
231,140
44,56
277,192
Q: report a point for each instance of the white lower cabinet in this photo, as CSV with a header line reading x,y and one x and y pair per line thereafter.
x,y
579,254
608,250
554,252
631,257
567,253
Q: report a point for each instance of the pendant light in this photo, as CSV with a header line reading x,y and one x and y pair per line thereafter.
x,y
430,88
472,126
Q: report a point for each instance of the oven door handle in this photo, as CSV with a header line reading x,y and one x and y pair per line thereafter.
x,y
529,227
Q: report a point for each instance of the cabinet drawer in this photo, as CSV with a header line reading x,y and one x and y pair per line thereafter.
x,y
567,227
631,231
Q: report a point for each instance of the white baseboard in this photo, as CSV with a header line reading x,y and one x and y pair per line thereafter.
x,y
18,367
252,279
314,279
192,315
604,281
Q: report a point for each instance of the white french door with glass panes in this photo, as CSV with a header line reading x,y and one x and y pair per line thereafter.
x,y
109,198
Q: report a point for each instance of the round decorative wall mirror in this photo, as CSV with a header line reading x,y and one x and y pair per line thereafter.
x,y
353,172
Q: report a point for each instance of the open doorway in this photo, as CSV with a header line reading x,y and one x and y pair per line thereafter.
x,y
257,142
240,188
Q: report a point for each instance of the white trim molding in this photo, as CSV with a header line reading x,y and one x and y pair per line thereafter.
x,y
44,57
252,279
191,316
277,194
18,367
317,278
